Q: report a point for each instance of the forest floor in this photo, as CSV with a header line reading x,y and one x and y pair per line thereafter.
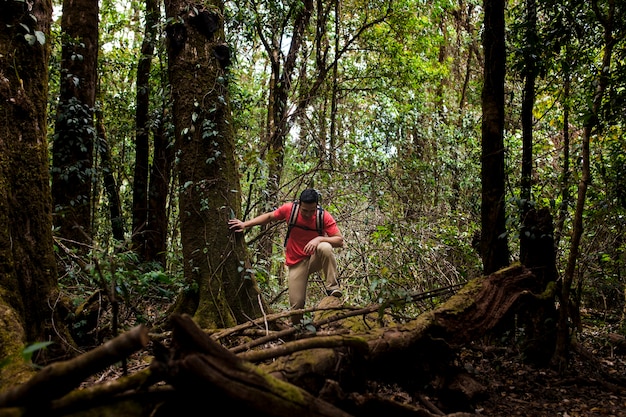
x,y
594,383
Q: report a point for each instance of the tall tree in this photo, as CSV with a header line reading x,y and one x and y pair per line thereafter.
x,y
493,244
110,184
142,131
222,290
529,73
283,67
287,23
156,246
73,144
606,18
28,274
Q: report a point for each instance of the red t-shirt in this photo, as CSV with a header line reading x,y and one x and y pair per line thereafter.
x,y
299,237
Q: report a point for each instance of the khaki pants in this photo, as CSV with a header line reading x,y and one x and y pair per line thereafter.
x,y
298,276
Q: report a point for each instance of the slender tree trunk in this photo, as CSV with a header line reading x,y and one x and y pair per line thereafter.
x,y
278,118
563,333
28,273
493,246
222,289
332,142
565,175
142,132
110,185
528,103
158,192
72,172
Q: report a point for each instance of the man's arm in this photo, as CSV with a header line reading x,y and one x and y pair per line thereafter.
x,y
336,240
239,226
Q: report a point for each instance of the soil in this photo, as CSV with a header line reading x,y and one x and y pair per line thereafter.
x,y
593,384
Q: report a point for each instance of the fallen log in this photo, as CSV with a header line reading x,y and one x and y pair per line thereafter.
x,y
201,368
418,349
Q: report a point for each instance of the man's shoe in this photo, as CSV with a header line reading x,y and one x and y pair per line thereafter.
x,y
334,293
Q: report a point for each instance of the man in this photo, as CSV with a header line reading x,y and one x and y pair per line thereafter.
x,y
306,250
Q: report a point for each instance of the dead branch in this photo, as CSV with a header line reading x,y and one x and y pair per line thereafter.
x,y
201,366
59,378
330,342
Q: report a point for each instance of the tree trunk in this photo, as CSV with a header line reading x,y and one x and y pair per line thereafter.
x,y
606,18
528,103
28,273
564,180
279,120
158,193
142,132
72,153
537,235
110,184
222,290
493,245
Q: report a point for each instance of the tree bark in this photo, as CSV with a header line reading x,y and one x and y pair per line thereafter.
x,y
142,132
73,144
222,289
28,272
158,194
528,104
110,184
493,245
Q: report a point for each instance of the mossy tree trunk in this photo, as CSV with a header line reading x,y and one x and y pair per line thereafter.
x,y
222,291
28,274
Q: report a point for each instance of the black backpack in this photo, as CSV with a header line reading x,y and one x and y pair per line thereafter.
x,y
291,222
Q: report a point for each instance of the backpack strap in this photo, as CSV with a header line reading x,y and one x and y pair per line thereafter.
x,y
319,220
293,216
295,208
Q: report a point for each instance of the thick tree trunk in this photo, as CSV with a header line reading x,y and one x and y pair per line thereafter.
x,y
223,291
28,273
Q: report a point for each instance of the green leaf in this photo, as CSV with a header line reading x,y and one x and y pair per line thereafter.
x,y
27,353
41,37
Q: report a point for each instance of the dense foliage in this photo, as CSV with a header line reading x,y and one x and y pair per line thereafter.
x,y
384,119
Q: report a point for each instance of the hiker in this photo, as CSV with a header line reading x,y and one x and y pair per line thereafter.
x,y
311,236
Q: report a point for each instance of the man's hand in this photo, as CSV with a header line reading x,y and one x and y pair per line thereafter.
x,y
311,247
236,225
